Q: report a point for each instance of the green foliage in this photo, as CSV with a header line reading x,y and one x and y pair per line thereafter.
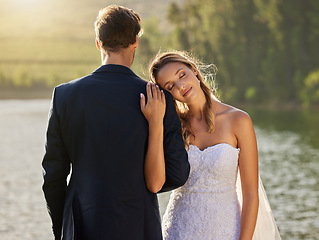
x,y
251,93
3,80
51,42
52,80
310,92
22,78
31,63
264,49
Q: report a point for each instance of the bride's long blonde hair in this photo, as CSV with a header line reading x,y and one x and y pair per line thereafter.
x,y
161,59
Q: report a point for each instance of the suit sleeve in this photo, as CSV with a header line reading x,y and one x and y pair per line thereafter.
x,y
176,159
56,167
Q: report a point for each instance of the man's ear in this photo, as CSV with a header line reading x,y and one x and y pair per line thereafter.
x,y
135,45
98,45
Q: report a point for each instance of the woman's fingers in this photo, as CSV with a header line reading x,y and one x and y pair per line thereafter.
x,y
142,101
163,96
153,104
155,91
149,91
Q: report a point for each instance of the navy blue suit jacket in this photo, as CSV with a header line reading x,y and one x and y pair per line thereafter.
x,y
97,132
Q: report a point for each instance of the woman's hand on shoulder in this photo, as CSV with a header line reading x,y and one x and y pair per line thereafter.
x,y
154,108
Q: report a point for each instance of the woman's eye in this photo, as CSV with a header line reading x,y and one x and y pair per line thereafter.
x,y
182,75
170,87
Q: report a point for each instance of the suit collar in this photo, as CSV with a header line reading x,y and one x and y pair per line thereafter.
x,y
115,69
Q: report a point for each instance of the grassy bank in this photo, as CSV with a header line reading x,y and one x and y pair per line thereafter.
x,y
46,92
25,93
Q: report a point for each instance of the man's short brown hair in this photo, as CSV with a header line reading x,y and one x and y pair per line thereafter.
x,y
116,27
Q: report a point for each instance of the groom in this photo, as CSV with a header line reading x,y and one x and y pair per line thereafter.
x,y
97,128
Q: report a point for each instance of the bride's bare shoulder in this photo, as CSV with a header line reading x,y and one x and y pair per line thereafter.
x,y
235,115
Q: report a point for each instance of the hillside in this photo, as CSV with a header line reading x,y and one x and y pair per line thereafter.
x,y
46,42
65,19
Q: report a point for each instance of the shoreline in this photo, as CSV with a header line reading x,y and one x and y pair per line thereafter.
x,y
25,93
46,93
285,106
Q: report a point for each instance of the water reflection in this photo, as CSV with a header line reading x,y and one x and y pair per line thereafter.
x,y
289,168
303,123
289,153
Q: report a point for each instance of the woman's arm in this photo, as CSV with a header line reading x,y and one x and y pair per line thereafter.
x,y
154,111
248,167
176,159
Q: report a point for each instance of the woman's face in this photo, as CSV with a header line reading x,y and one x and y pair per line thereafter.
x,y
180,81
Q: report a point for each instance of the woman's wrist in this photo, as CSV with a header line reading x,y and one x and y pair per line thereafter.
x,y
155,125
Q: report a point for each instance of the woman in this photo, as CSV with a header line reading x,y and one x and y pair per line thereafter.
x,y
221,145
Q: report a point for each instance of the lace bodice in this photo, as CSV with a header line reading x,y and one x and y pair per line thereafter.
x,y
206,207
212,170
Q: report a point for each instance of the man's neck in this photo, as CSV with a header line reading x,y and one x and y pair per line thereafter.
x,y
121,58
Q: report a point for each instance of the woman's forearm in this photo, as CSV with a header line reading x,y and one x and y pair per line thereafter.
x,y
249,216
154,167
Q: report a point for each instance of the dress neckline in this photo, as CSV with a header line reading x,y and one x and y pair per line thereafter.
x,y
213,146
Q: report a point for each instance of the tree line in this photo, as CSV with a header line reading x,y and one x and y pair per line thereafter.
x,y
267,51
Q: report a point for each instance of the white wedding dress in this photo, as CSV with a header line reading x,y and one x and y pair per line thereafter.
x,y
208,206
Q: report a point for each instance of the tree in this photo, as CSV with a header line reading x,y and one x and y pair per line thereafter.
x,y
264,49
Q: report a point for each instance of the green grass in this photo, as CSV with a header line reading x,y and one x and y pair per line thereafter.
x,y
45,62
52,42
47,49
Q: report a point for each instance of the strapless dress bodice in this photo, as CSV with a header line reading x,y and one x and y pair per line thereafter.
x,y
213,169
206,207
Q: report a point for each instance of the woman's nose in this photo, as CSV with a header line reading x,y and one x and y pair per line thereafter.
x,y
181,86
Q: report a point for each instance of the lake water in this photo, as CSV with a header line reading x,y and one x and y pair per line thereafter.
x,y
288,160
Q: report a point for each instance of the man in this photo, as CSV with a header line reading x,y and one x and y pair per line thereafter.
x,y
96,127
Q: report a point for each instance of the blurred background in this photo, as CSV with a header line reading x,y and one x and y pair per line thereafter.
x,y
267,54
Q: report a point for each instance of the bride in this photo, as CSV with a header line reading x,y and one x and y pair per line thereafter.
x,y
223,197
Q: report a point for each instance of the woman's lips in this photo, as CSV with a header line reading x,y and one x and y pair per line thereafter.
x,y
187,92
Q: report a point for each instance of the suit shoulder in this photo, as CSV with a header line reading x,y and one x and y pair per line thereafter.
x,y
73,82
70,86
140,80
